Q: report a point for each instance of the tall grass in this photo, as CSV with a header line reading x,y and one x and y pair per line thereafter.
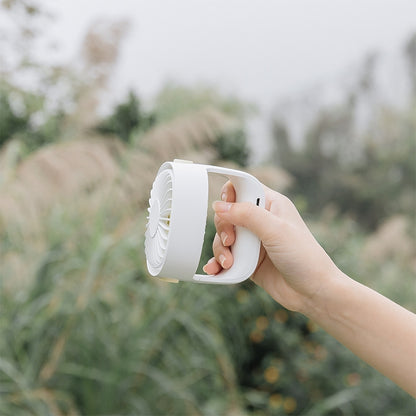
x,y
91,334
85,331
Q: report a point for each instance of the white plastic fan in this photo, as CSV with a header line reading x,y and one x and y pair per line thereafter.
x,y
176,223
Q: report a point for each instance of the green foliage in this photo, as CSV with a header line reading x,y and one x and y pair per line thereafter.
x,y
287,365
174,100
383,184
21,122
233,147
410,51
369,177
126,118
10,123
89,332
92,334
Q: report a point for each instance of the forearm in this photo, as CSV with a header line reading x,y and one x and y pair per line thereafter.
x,y
292,268
376,329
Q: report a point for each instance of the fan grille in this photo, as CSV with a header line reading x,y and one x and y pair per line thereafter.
x,y
158,225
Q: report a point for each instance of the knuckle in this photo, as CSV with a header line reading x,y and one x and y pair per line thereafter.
x,y
284,200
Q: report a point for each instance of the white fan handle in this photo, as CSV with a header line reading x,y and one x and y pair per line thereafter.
x,y
246,247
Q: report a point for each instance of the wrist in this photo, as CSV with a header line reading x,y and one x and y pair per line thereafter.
x,y
318,306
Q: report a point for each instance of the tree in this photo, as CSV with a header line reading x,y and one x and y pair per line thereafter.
x,y
366,172
126,117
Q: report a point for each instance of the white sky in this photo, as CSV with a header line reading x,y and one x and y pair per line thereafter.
x,y
260,50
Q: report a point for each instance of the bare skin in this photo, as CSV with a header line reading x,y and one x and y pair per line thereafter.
x,y
297,272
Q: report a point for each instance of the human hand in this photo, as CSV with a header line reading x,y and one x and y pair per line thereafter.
x,y
293,268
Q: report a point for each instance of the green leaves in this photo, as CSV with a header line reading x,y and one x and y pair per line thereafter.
x,y
126,118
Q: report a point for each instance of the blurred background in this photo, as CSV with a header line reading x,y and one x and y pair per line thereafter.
x,y
315,98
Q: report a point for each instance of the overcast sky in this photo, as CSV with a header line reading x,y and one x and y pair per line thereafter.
x,y
261,50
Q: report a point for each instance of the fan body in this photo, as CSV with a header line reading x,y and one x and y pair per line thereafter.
x,y
177,218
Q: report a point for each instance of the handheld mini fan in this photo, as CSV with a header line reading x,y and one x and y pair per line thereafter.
x,y
176,223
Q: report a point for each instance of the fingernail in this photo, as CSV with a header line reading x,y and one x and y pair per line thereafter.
x,y
219,206
224,237
222,260
223,196
211,260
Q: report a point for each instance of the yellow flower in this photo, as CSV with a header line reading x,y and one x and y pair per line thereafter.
x,y
242,296
256,336
289,404
275,400
262,323
312,326
271,374
353,379
281,316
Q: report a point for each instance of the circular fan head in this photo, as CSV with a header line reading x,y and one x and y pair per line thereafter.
x,y
160,208
176,222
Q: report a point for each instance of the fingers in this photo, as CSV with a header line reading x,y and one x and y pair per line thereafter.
x,y
222,254
225,229
224,238
228,192
258,220
212,267
278,214
222,259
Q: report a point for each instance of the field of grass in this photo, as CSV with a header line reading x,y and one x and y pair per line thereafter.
x,y
85,330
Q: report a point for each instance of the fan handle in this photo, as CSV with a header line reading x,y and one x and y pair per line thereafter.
x,y
246,247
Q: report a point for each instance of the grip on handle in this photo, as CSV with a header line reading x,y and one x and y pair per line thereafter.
x,y
246,248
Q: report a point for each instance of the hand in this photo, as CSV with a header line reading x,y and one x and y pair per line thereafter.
x,y
293,268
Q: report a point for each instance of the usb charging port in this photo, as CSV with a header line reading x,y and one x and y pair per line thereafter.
x,y
258,202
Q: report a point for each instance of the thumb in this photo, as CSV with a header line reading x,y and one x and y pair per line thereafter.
x,y
245,214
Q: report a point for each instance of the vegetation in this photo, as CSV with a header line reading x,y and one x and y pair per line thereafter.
x,y
126,118
364,171
85,330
